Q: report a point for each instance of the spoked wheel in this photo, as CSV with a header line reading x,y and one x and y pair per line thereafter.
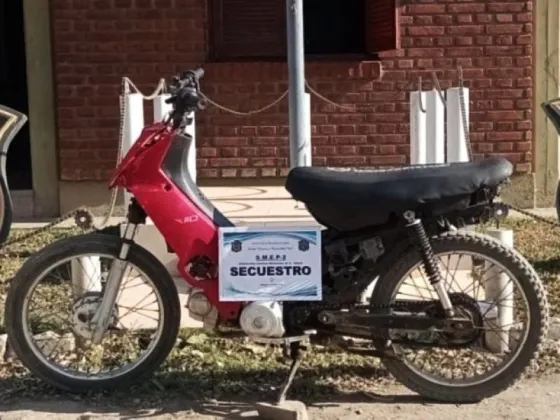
x,y
52,300
493,286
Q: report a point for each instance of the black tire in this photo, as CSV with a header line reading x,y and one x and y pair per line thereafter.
x,y
529,283
80,245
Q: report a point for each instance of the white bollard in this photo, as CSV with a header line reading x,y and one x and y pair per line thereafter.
x,y
133,126
86,271
499,289
161,109
457,150
435,128
417,128
191,130
86,275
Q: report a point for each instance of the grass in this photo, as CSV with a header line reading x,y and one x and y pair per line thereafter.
x,y
204,366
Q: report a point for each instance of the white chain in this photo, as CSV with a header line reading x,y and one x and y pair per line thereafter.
x,y
347,107
125,90
246,113
280,98
327,100
161,88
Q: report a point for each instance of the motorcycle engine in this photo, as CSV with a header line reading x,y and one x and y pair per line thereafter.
x,y
262,319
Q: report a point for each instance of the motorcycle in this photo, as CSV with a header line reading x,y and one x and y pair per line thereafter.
x,y
381,227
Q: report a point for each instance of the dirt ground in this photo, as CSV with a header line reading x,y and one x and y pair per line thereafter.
x,y
536,399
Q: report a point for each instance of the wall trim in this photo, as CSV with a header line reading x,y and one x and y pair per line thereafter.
x,y
42,120
546,67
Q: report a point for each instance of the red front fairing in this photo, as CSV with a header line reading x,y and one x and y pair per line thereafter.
x,y
188,230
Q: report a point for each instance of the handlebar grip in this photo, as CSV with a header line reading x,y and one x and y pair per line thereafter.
x,y
198,73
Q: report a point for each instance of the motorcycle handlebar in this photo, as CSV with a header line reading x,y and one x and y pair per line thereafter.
x,y
185,95
187,81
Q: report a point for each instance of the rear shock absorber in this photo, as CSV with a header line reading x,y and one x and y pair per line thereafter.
x,y
419,237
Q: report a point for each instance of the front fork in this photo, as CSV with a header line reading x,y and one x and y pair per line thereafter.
x,y
422,242
102,317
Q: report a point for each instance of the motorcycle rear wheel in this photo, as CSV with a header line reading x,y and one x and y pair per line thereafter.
x,y
60,252
531,287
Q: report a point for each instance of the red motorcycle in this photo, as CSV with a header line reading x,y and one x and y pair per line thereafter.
x,y
454,315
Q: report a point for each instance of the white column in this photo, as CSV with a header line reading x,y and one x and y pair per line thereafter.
x,y
417,128
457,150
435,128
86,275
161,109
191,130
499,293
86,271
133,126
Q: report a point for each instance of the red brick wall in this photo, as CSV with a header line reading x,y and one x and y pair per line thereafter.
x,y
96,42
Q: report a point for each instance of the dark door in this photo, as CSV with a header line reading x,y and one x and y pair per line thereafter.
x,y
13,89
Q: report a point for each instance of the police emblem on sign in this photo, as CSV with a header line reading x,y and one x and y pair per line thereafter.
x,y
303,245
236,246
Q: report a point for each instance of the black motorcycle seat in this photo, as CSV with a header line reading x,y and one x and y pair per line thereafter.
x,y
393,189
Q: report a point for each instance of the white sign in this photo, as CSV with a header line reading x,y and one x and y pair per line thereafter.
x,y
270,264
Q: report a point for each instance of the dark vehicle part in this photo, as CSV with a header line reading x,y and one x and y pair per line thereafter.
x,y
11,121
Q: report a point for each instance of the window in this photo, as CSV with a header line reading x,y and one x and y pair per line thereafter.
x,y
256,29
334,27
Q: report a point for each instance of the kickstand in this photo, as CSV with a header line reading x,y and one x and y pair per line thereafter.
x,y
296,354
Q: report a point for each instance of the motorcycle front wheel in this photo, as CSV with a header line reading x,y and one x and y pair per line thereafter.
x,y
491,284
51,302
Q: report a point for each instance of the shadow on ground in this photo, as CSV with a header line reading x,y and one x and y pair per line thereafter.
x,y
228,395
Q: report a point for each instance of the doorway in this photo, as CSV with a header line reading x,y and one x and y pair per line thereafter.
x,y
13,90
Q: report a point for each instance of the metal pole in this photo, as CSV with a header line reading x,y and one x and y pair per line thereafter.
x,y
299,144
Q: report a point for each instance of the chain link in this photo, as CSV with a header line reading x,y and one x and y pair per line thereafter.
x,y
327,100
352,107
533,216
244,113
283,95
120,149
127,84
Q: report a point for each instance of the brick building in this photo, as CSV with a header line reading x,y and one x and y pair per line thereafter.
x,y
368,63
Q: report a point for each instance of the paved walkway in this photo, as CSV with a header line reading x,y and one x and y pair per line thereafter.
x,y
260,206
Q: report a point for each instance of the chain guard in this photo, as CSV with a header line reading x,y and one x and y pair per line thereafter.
x,y
311,312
